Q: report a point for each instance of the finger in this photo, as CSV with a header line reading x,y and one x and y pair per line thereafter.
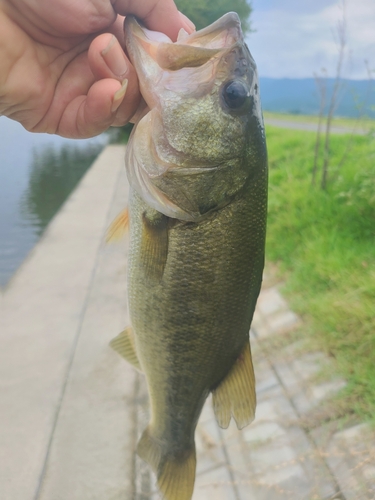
x,y
108,60
158,15
87,116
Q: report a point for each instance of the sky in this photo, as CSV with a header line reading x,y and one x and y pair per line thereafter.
x,y
297,38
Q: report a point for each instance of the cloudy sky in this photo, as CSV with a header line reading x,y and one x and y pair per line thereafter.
x,y
295,38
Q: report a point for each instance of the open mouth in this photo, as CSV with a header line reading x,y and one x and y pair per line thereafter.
x,y
189,50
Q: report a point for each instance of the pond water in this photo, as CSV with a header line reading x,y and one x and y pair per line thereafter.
x,y
37,174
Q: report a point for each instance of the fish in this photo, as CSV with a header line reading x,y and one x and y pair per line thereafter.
x,y
197,168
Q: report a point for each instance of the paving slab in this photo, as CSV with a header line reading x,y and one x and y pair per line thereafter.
x,y
278,460
350,454
272,315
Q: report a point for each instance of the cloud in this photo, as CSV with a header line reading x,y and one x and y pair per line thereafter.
x,y
298,39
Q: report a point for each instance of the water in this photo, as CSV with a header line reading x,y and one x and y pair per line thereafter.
x,y
37,174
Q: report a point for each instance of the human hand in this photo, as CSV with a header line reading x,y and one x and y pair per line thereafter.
x,y
62,67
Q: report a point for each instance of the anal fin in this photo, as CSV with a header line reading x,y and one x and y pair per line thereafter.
x,y
124,345
175,474
235,396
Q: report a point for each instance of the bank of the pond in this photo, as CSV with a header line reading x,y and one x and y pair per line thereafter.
x,y
324,245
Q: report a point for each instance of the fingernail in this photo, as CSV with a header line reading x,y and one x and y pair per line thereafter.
x,y
188,25
119,95
115,58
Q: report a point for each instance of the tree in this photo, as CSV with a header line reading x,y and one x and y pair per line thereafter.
x,y
329,98
341,33
205,12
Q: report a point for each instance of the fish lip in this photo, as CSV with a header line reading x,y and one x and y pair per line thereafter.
x,y
133,28
225,22
217,38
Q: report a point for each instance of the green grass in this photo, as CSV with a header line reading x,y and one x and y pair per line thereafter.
x,y
324,245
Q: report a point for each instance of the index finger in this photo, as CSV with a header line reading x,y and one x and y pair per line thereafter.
x,y
157,15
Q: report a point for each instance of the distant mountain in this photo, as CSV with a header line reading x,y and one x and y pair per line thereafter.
x,y
300,96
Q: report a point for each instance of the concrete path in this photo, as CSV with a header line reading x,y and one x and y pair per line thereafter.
x,y
71,410
356,129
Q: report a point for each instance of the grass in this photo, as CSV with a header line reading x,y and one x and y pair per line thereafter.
x,y
324,245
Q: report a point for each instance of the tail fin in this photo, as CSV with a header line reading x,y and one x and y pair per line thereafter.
x,y
175,476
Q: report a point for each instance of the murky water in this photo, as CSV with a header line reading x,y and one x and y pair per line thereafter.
x,y
37,174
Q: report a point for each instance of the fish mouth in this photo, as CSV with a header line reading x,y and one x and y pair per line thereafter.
x,y
189,50
155,57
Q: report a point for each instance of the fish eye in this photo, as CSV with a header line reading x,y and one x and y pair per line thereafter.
x,y
235,94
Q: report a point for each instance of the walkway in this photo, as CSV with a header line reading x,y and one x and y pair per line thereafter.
x,y
71,410
311,126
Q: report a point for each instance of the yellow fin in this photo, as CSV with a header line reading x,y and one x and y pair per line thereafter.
x,y
235,396
124,345
175,475
176,481
118,227
154,243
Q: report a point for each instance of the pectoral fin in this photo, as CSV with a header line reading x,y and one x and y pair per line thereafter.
x,y
154,244
235,396
124,345
119,227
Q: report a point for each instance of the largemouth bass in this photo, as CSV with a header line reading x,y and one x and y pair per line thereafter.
x,y
197,167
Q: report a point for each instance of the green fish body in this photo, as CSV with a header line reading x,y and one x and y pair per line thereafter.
x,y
197,166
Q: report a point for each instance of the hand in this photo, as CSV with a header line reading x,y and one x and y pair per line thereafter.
x,y
62,67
